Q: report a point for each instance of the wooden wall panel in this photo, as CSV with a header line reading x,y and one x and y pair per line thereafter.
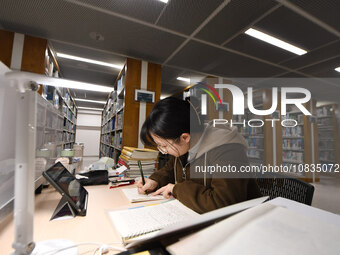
x,y
131,108
268,130
33,57
308,141
6,45
154,83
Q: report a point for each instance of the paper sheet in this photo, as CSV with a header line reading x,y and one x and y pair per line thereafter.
x,y
134,196
265,229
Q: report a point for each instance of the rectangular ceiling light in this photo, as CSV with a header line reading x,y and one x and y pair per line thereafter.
x,y
274,41
90,101
337,69
90,108
87,60
183,79
56,82
164,1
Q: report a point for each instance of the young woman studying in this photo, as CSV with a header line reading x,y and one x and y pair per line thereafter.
x,y
176,128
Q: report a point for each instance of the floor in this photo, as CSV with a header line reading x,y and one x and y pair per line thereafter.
x,y
87,161
327,193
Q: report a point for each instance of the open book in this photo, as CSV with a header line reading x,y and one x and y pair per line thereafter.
x,y
267,229
133,196
140,226
132,223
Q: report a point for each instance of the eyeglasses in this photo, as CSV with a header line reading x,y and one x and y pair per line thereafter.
x,y
164,148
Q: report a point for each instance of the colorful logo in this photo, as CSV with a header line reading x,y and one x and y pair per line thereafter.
x,y
211,92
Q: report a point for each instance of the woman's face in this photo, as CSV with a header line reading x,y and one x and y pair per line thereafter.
x,y
174,147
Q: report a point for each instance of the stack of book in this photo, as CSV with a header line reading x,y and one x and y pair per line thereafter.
x,y
130,157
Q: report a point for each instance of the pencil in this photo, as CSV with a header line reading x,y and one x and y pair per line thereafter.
x,y
141,174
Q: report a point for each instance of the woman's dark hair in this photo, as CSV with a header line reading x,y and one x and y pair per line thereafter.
x,y
170,118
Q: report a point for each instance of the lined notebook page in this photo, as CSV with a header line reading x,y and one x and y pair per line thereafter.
x,y
134,196
135,222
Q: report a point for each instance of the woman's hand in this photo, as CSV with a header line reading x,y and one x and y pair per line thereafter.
x,y
150,185
166,190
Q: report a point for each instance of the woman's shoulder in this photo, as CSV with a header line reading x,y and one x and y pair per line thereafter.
x,y
229,152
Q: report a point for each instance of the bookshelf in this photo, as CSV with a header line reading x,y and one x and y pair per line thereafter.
x,y
300,143
56,108
111,137
328,132
62,101
293,140
262,147
51,127
122,115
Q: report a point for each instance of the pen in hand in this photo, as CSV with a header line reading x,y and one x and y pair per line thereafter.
x,y
142,175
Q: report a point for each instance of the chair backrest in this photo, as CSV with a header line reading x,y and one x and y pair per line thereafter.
x,y
287,187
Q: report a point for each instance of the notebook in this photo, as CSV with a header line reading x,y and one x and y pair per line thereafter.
x,y
134,223
134,196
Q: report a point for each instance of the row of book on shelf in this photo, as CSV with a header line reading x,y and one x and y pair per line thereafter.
x,y
115,123
113,139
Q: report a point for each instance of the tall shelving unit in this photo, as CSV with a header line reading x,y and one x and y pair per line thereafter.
x,y
293,140
122,115
262,140
328,131
111,138
300,143
62,101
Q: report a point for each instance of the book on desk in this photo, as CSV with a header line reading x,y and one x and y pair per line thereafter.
x,y
279,226
171,217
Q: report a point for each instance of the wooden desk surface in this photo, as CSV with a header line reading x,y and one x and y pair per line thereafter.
x,y
94,227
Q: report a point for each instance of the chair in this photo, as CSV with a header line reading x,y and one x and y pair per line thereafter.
x,y
277,185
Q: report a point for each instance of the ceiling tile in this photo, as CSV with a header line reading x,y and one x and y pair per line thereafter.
x,y
324,69
233,18
186,16
74,72
329,51
146,10
327,11
170,74
94,54
245,43
207,59
292,28
87,67
170,89
129,38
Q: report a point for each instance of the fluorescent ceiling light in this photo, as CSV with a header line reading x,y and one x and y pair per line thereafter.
x,y
164,1
90,101
337,69
87,60
90,108
56,82
274,41
183,79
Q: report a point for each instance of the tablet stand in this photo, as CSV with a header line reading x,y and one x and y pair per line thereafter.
x,y
63,209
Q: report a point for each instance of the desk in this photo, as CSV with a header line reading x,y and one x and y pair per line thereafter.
x,y
94,227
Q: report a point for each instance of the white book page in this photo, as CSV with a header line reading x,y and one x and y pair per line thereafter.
x,y
134,196
265,229
134,222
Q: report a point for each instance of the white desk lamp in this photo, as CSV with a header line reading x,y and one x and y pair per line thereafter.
x,y
26,84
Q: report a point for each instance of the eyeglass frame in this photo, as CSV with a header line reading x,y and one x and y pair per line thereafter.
x,y
165,151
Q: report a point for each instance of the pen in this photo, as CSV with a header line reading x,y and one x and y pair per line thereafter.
x,y
141,173
120,185
130,181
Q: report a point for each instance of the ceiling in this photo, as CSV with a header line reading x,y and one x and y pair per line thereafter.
x,y
191,38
